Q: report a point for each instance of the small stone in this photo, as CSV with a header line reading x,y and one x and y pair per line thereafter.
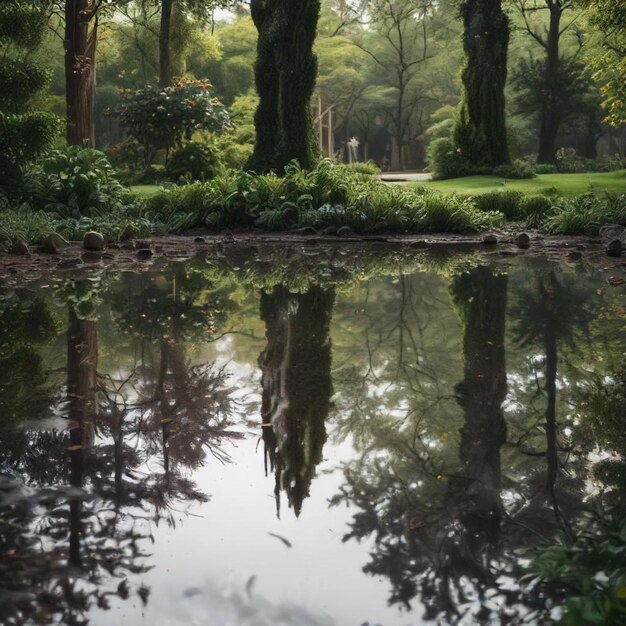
x,y
574,255
330,231
54,243
614,248
522,240
490,239
344,231
199,240
93,241
141,244
19,247
144,253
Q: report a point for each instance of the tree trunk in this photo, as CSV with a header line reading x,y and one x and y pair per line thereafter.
x,y
81,30
165,63
82,362
589,148
285,73
550,115
480,133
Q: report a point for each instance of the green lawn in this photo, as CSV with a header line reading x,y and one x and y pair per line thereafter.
x,y
566,184
145,191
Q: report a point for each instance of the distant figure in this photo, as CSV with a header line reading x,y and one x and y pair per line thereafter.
x,y
353,149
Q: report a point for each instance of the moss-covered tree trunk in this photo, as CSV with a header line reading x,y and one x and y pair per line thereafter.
x,y
81,32
480,132
285,74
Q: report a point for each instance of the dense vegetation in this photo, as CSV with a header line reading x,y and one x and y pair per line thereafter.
x,y
204,93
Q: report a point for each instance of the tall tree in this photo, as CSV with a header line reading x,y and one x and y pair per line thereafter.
x,y
285,73
480,131
81,35
398,48
550,40
165,65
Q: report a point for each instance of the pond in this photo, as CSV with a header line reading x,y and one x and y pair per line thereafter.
x,y
302,436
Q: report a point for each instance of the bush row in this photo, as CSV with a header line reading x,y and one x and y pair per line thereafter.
x,y
73,191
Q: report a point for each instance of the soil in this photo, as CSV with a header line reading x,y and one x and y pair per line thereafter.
x,y
139,254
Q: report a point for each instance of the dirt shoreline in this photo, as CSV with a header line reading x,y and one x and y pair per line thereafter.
x,y
141,253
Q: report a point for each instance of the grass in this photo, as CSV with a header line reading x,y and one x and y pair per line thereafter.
x,y
561,184
145,191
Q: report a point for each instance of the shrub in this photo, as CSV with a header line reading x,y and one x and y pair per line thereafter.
x,y
25,225
73,182
587,214
519,169
507,202
327,195
455,214
24,134
192,162
444,161
165,118
535,210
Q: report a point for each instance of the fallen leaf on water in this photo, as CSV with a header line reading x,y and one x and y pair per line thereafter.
x,y
74,448
285,541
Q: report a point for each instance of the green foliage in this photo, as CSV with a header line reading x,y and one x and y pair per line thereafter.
x,y
191,162
445,160
235,146
22,224
24,134
518,170
328,195
589,570
536,210
73,182
586,214
507,202
166,118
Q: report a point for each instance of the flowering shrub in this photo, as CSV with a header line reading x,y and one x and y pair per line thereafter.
x,y
166,118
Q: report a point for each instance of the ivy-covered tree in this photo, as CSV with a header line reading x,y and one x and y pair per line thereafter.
x,y
285,73
480,132
24,133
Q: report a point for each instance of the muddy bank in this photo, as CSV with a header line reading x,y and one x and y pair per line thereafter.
x,y
140,254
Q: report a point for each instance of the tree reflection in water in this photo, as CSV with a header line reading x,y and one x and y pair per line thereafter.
x,y
297,386
78,503
445,533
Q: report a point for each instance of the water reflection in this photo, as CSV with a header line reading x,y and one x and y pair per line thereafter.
x,y
477,410
297,386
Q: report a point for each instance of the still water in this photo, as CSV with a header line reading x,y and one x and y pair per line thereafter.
x,y
294,436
